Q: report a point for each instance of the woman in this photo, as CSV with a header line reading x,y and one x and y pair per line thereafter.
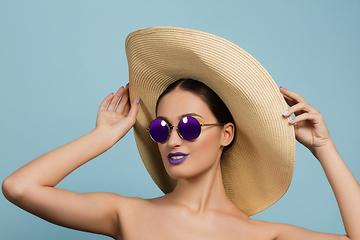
x,y
200,204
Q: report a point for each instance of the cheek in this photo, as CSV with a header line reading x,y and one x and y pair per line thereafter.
x,y
207,148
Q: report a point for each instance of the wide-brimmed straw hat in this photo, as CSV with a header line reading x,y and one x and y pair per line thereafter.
x,y
258,168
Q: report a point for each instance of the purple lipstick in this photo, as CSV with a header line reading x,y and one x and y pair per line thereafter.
x,y
176,158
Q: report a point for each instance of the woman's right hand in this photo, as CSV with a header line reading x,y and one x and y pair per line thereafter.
x,y
116,115
32,187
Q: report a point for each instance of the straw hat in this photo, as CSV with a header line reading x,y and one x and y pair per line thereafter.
x,y
258,168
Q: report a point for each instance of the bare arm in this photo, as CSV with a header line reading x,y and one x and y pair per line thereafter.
x,y
311,131
32,187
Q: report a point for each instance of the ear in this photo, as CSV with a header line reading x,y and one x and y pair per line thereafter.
x,y
228,134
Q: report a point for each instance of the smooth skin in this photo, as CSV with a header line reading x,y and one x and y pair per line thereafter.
x,y
198,207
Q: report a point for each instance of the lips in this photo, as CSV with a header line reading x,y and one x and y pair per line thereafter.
x,y
176,158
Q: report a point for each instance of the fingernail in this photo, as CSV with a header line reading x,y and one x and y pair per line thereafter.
x,y
283,88
291,121
138,100
285,113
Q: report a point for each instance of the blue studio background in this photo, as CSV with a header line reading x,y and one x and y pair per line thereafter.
x,y
59,59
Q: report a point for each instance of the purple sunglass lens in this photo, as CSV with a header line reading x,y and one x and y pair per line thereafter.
x,y
159,130
189,128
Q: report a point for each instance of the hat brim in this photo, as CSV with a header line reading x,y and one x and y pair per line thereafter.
x,y
258,168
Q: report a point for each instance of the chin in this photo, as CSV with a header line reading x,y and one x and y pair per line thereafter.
x,y
176,173
184,171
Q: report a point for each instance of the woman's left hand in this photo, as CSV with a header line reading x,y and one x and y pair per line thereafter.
x,y
310,127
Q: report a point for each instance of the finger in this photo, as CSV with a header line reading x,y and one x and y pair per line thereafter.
x,y
115,100
291,96
313,117
134,109
124,100
105,102
289,101
300,108
127,108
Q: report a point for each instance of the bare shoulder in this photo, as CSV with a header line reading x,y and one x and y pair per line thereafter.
x,y
280,231
129,209
262,229
131,203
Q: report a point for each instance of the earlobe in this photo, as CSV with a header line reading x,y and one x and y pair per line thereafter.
x,y
228,134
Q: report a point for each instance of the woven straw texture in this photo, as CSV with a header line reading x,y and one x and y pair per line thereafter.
x,y
258,168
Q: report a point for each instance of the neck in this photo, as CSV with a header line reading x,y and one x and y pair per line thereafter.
x,y
204,191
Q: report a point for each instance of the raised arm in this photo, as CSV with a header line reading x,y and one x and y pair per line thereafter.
x,y
32,186
311,131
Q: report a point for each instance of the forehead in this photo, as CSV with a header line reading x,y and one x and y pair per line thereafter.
x,y
179,102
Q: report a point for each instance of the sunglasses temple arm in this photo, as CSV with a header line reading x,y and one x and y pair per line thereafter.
x,y
212,124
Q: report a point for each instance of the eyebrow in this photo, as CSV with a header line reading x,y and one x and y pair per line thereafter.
x,y
182,116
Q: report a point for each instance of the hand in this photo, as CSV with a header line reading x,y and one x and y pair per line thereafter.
x,y
116,114
310,127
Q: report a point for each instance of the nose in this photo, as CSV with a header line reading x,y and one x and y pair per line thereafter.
x,y
174,138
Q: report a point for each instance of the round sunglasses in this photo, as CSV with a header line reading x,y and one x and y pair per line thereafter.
x,y
189,129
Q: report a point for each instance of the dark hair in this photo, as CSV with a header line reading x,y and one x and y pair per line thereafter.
x,y
216,105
